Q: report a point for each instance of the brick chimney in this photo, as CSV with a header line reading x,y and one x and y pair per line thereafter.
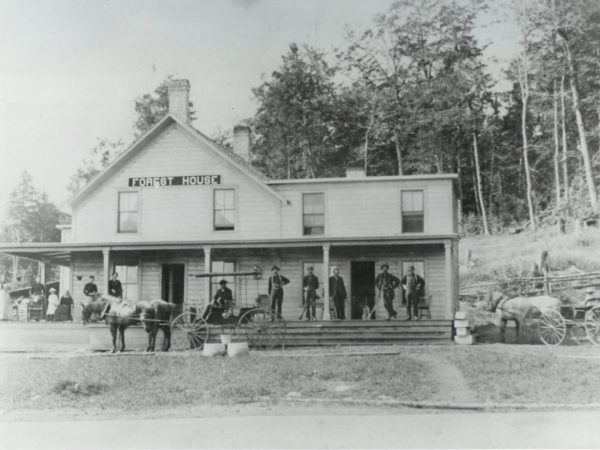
x,y
242,141
179,98
356,171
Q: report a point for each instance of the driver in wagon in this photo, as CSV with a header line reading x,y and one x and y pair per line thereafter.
x,y
222,301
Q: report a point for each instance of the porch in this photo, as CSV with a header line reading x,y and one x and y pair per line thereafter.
x,y
173,271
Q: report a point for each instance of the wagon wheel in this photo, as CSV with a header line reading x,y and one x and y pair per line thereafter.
x,y
262,329
189,331
552,327
592,324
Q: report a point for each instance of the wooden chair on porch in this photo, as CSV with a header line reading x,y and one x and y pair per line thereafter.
x,y
320,305
423,308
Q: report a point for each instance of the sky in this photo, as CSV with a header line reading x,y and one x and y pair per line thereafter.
x,y
70,70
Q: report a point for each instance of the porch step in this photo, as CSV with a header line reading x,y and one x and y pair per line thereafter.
x,y
372,332
315,334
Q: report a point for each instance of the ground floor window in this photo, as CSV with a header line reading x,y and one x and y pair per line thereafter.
x,y
128,275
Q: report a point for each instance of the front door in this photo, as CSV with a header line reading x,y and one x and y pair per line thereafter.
x,y
173,276
362,275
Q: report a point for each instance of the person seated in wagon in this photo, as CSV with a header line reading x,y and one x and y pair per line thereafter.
x,y
222,301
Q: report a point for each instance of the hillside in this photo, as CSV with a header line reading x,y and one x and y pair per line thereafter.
x,y
506,256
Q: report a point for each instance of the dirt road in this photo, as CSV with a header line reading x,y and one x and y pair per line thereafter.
x,y
359,429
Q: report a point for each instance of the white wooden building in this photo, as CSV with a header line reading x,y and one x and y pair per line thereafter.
x,y
175,204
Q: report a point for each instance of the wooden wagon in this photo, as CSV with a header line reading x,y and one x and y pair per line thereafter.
x,y
255,324
582,321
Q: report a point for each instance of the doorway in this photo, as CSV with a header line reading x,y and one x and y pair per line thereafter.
x,y
362,282
173,276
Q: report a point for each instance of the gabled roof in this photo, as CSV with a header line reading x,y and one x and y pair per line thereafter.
x,y
242,165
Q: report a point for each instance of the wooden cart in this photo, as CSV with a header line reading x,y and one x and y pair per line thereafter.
x,y
256,324
583,322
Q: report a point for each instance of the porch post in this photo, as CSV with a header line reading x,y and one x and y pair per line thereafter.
x,y
42,273
449,281
106,269
207,269
326,315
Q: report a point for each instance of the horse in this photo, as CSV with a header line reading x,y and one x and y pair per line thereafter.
x,y
519,308
117,313
91,312
155,315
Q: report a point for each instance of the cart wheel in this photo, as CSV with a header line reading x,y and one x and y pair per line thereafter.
x,y
262,329
188,331
552,327
592,325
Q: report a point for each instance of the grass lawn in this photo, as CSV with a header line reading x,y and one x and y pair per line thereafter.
x,y
492,373
505,256
133,382
530,374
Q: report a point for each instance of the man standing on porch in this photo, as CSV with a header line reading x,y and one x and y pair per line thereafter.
x,y
114,286
276,283
337,293
413,286
90,289
386,283
311,284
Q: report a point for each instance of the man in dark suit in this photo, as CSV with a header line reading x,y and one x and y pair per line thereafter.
x,y
276,283
386,283
413,286
337,293
224,296
222,302
310,284
114,286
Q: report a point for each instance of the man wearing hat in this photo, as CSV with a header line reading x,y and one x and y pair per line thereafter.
x,y
337,293
224,297
276,283
413,286
310,284
386,283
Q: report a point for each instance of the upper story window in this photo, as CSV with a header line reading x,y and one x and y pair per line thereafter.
x,y
413,212
224,209
129,216
313,213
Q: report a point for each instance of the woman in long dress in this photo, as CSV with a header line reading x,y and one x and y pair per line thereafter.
x,y
52,305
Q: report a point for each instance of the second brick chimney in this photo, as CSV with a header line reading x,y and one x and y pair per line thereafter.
x,y
242,141
179,98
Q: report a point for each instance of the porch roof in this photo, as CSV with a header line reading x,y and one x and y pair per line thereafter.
x,y
61,252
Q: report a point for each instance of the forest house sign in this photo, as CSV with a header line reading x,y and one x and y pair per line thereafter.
x,y
182,180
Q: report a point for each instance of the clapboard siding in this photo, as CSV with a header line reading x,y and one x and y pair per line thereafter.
x,y
372,208
362,208
176,212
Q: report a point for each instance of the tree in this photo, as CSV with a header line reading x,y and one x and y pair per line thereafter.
x,y
31,216
583,144
98,158
294,123
153,106
522,62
